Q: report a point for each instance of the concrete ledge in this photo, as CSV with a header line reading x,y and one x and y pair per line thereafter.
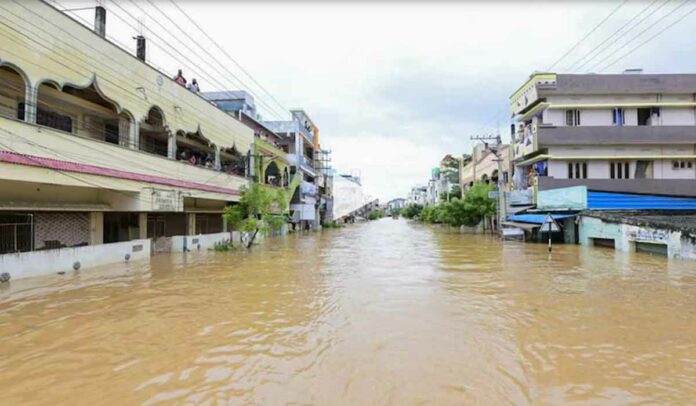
x,y
201,242
38,263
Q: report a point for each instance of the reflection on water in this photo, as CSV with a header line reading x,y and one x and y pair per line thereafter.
x,y
382,313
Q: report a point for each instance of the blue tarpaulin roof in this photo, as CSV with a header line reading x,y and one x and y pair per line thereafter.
x,y
628,201
537,218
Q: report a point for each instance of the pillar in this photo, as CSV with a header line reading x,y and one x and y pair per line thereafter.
x,y
30,103
218,162
134,135
142,226
96,228
100,21
171,146
190,223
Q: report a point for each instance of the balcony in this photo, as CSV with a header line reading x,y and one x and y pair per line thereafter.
x,y
596,135
51,63
270,148
666,187
303,162
79,161
286,127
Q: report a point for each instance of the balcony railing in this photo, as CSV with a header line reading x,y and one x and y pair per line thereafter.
x,y
284,127
595,135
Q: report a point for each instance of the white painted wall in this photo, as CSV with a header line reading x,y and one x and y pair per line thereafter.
x,y
601,117
38,263
626,235
201,242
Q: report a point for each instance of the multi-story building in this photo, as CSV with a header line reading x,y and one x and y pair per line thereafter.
x,y
612,157
629,133
325,183
269,164
483,166
100,153
286,155
417,195
301,140
396,204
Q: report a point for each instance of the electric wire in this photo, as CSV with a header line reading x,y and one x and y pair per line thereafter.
x,y
649,27
91,68
587,35
169,50
212,57
224,52
587,58
649,39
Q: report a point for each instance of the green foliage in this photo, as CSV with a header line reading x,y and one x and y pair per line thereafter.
x,y
430,214
260,209
412,211
456,191
468,211
222,246
395,212
332,224
376,214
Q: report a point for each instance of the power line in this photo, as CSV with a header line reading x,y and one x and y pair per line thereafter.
x,y
649,39
224,52
641,33
587,35
599,47
228,75
90,69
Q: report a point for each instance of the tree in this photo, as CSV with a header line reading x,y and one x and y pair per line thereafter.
x,y
469,211
376,214
455,191
411,211
260,209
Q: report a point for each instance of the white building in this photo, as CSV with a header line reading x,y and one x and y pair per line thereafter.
x,y
629,133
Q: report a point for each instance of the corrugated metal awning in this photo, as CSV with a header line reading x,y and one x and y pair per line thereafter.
x,y
632,201
537,218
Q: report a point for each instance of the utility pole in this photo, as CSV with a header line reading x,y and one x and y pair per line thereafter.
x,y
495,149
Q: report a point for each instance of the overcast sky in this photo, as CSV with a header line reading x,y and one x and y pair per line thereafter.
x,y
394,86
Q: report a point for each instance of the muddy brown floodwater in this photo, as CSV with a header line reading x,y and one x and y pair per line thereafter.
x,y
387,312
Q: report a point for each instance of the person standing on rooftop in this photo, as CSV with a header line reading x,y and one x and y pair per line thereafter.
x,y
180,79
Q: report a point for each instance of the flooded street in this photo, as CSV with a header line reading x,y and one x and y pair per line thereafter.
x,y
388,312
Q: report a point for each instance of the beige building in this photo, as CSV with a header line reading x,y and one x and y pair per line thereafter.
x,y
98,147
483,166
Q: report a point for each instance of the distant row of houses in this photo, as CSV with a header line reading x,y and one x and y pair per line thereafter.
x,y
611,157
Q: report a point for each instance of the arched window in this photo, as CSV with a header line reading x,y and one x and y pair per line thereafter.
x,y
154,136
272,175
13,88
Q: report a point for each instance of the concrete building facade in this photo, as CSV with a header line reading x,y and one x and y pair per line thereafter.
x,y
629,133
97,147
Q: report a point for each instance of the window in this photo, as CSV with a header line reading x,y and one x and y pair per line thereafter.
x,y
577,170
619,170
49,118
572,118
644,115
111,133
682,165
643,170
618,117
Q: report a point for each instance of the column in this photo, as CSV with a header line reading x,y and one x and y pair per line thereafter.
x,y
171,146
218,162
190,223
142,225
96,228
30,103
134,135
